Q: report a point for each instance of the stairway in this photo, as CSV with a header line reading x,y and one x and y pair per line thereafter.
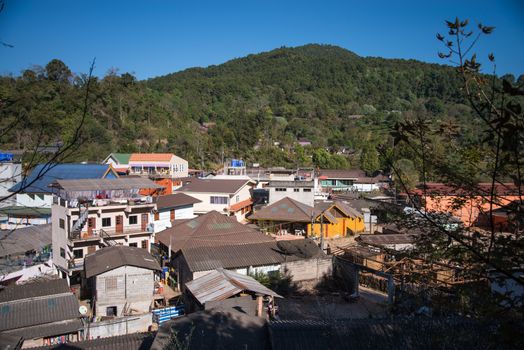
x,y
80,223
107,240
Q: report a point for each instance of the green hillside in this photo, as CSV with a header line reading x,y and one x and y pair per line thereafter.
x,y
254,107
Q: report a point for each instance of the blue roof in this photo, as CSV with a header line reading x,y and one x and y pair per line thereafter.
x,y
49,173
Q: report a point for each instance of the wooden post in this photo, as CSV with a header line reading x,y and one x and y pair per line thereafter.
x,y
260,304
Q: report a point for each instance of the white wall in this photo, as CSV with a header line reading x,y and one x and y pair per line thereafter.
x,y
59,236
10,175
34,200
300,196
205,205
119,326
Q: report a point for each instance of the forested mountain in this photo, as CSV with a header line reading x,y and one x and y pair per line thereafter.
x,y
255,108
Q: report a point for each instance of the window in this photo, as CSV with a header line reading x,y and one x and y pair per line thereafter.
x,y
62,252
157,216
78,253
111,311
133,220
144,244
296,190
61,223
106,222
280,189
111,283
306,190
238,198
133,245
218,200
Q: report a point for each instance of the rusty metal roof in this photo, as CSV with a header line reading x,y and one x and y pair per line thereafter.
x,y
222,284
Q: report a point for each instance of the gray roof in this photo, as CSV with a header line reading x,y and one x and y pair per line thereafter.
x,y
213,185
38,309
250,254
15,292
222,284
133,341
123,183
10,342
211,229
215,330
378,239
110,258
286,209
174,200
24,239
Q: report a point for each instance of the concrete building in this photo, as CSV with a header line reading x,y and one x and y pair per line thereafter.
x,y
10,175
171,207
166,164
301,191
337,180
230,197
91,214
120,280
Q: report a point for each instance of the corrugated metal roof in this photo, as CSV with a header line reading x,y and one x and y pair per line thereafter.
x,y
24,239
15,292
110,258
222,284
48,329
123,183
286,209
138,341
121,158
378,239
211,229
16,210
175,200
212,185
250,254
39,309
291,184
45,174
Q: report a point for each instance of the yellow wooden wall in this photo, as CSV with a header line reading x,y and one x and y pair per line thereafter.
x,y
338,229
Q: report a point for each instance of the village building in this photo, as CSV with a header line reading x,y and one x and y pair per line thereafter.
x,y
442,198
25,253
119,162
42,313
171,207
288,216
230,197
10,175
331,180
34,196
120,280
223,289
91,214
300,191
210,229
301,260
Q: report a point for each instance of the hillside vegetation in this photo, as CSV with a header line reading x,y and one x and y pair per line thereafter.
x,y
255,108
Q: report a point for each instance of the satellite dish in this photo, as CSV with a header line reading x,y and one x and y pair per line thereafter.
x,y
82,309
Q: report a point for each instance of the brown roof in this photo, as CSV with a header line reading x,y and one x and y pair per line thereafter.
x,y
481,189
175,200
34,290
151,157
110,258
212,185
342,173
286,209
343,207
251,254
211,229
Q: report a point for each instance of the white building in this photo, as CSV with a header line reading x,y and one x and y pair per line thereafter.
x,y
158,164
301,191
10,175
230,197
172,207
90,214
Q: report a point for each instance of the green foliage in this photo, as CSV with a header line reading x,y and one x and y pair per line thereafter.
x,y
369,160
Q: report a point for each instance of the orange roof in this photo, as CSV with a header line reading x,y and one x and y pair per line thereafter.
x,y
240,205
151,157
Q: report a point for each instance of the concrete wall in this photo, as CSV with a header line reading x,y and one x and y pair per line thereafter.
x,y
310,269
300,196
205,206
59,237
34,200
10,175
164,217
134,286
119,326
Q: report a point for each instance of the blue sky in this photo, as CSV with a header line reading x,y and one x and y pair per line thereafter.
x,y
156,37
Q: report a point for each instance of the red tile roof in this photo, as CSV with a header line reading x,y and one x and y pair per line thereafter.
x,y
151,157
